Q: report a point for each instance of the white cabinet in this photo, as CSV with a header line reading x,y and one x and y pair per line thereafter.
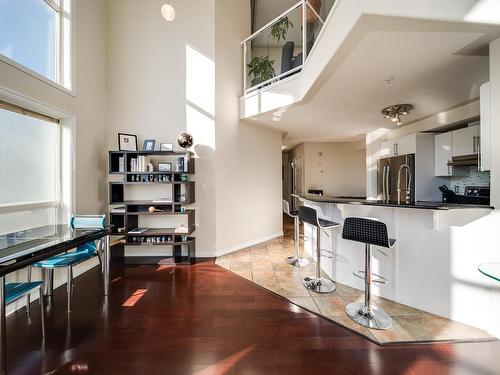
x,y
485,136
442,154
399,146
465,141
406,145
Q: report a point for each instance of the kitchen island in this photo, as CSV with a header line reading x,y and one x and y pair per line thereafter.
x,y
432,267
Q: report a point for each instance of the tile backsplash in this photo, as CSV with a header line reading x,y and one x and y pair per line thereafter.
x,y
476,178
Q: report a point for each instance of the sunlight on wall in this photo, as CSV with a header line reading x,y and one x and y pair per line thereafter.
x,y
487,11
200,98
272,100
200,80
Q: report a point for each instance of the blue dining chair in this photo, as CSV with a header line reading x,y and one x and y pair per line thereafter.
x,y
72,258
16,291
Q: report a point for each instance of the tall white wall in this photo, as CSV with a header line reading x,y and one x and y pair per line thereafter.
x,y
248,157
169,77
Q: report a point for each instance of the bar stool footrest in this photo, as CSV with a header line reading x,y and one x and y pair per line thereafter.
x,y
379,280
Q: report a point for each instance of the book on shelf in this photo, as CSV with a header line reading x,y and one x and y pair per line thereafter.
x,y
141,164
183,228
182,164
137,230
163,200
121,164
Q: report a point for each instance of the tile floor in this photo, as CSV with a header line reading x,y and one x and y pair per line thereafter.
x,y
264,264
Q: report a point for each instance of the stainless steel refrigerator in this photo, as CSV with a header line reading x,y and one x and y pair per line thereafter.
x,y
388,169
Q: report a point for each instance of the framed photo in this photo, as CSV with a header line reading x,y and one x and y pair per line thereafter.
x,y
164,167
166,147
149,145
127,142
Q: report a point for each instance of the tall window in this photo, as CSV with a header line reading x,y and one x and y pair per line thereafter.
x,y
36,35
30,169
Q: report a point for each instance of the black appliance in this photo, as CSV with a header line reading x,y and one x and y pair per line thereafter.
x,y
473,195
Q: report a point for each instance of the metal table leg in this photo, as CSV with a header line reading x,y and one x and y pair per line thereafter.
x,y
3,333
105,265
48,281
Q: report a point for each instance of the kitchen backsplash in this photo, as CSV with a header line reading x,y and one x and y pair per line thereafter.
x,y
476,178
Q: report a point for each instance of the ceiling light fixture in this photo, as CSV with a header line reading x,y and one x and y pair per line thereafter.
x,y
394,112
168,11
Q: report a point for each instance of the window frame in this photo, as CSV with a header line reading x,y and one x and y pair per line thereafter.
x,y
32,205
61,64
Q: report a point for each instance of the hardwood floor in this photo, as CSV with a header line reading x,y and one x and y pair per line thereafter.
x,y
205,320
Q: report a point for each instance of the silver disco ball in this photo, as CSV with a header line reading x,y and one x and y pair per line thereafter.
x,y
185,140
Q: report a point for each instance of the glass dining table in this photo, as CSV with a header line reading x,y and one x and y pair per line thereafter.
x,y
20,249
492,270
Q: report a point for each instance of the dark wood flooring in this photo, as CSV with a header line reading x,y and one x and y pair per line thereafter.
x,y
205,320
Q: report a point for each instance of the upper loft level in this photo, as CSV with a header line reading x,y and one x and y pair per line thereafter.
x,y
280,48
338,81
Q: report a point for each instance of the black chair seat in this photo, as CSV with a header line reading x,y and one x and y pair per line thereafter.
x,y
327,223
294,213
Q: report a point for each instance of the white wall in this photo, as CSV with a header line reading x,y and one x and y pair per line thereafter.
x,y
169,77
248,157
338,168
88,109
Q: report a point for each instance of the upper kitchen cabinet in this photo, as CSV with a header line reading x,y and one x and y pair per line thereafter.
x,y
399,146
443,155
485,132
465,141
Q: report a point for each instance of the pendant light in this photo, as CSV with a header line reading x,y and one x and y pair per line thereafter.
x,y
168,11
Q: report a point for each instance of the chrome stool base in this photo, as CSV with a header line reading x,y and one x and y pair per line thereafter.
x,y
297,262
373,317
319,284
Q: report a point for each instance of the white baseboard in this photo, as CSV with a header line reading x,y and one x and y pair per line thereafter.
x,y
247,244
59,280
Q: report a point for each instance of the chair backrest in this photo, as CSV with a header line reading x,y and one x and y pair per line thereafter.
x,y
286,206
308,215
287,56
88,221
366,230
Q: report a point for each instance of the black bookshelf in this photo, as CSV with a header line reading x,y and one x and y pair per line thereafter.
x,y
177,186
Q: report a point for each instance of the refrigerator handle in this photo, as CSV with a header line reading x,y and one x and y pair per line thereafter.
x,y
387,180
383,183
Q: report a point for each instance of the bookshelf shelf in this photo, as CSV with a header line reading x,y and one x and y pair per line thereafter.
x,y
132,214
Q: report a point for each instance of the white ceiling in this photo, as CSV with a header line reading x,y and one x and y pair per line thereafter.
x,y
429,72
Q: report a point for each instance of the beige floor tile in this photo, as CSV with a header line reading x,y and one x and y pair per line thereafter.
x,y
349,294
306,302
247,274
288,276
294,289
263,266
282,266
394,308
394,334
241,266
264,276
329,304
223,263
262,245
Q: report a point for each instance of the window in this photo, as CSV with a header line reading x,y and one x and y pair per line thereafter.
x,y
36,35
30,169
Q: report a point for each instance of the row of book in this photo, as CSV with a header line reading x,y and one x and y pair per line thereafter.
x,y
141,164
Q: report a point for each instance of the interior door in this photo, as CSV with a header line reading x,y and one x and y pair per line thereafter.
x,y
298,181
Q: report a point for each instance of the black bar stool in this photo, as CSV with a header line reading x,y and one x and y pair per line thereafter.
x,y
297,260
370,232
317,283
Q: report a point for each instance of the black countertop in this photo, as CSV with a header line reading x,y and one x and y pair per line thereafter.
x,y
366,202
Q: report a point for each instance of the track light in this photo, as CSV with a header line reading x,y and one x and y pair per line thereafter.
x,y
394,112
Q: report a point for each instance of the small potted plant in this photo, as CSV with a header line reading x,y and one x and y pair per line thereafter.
x,y
261,68
280,28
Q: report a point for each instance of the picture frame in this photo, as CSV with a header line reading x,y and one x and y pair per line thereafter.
x,y
149,145
127,142
164,167
166,147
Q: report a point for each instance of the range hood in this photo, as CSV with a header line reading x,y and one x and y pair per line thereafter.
x,y
464,160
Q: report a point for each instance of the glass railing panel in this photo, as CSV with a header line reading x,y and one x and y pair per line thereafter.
x,y
275,50
313,27
322,7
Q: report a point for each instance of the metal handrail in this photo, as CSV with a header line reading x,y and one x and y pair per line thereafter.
x,y
305,7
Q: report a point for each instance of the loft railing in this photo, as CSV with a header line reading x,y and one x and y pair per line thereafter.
x,y
281,47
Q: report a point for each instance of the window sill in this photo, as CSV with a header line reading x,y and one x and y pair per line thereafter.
x,y
36,75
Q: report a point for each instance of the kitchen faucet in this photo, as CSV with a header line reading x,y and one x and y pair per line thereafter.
x,y
408,189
